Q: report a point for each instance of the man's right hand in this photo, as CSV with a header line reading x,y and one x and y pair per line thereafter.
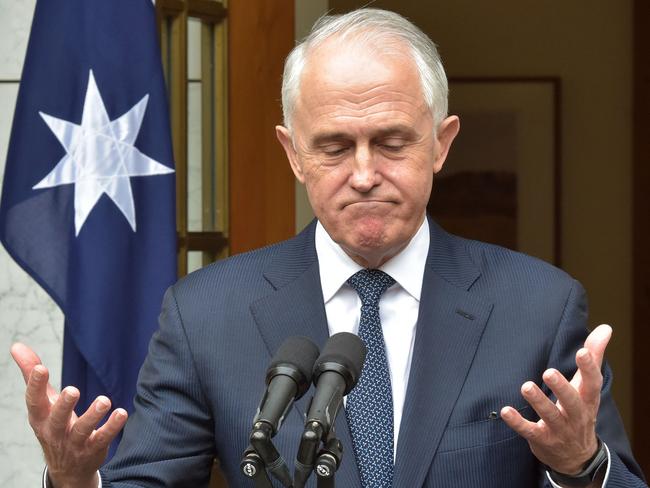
x,y
74,449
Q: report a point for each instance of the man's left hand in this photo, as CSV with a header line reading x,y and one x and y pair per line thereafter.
x,y
565,436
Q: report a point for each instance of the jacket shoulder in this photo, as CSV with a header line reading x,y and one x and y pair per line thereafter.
x,y
245,272
508,273
492,258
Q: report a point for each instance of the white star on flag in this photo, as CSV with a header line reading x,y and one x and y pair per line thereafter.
x,y
100,156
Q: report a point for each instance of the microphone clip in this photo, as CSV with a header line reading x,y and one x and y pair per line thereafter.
x,y
262,456
324,461
328,461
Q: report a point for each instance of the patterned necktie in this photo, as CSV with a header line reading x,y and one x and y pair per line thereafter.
x,y
369,406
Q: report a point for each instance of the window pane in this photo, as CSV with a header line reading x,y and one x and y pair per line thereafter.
x,y
193,48
194,158
194,128
194,260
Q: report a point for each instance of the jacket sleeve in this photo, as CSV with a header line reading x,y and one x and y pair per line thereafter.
x,y
571,334
169,440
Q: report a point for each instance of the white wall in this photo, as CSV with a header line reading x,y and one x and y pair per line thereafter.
x,y
27,314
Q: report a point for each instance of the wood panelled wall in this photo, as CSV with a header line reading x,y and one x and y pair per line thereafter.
x,y
262,198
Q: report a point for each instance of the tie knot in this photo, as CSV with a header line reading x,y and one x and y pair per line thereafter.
x,y
370,284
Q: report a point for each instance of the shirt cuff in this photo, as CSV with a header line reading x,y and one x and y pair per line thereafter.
x,y
609,465
46,484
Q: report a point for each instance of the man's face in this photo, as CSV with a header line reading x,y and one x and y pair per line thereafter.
x,y
364,145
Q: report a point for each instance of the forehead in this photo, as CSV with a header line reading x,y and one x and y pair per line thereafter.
x,y
344,79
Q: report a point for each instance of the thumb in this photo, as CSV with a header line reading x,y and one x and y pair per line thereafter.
x,y
597,341
25,358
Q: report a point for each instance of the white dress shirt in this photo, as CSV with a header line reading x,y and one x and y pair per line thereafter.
x,y
398,307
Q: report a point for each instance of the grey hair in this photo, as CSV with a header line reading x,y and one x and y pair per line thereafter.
x,y
372,25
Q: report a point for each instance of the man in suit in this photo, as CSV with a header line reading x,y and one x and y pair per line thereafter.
x,y
480,371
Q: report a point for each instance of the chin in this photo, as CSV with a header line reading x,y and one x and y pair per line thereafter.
x,y
376,242
369,232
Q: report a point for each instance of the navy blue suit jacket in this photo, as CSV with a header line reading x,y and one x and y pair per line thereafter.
x,y
489,320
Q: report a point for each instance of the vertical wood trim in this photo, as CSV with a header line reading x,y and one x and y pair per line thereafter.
x,y
558,151
262,197
221,130
220,77
214,119
208,107
178,115
641,235
208,156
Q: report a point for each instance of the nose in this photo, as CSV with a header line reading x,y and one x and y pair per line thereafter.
x,y
364,175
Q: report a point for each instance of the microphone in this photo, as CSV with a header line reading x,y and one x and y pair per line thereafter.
x,y
336,372
288,377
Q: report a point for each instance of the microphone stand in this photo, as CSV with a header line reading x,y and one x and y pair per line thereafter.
x,y
328,462
261,455
325,462
253,467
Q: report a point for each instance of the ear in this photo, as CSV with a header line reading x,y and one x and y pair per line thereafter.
x,y
447,132
284,136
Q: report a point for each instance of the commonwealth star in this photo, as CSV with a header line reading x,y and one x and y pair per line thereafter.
x,y
100,156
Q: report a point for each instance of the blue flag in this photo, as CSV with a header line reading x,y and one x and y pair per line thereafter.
x,y
88,203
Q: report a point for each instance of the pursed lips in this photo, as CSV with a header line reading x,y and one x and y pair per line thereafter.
x,y
369,202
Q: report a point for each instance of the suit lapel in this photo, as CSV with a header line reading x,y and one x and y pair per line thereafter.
x,y
296,308
450,325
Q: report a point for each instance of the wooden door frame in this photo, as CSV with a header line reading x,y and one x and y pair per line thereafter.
x,y
641,235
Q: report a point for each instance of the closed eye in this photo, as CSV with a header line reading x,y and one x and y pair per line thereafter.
x,y
392,147
393,140
392,144
333,150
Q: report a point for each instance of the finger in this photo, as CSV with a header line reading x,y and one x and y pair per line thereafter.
x,y
103,436
592,378
545,408
566,394
38,405
25,358
85,425
62,412
525,428
597,341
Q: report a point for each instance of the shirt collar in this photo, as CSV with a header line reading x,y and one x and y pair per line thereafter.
x,y
406,268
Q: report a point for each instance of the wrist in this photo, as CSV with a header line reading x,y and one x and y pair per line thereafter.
x,y
589,476
578,463
54,481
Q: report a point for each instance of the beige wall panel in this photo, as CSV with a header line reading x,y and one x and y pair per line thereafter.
x,y
588,45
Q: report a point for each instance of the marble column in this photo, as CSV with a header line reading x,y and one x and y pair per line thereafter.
x,y
27,314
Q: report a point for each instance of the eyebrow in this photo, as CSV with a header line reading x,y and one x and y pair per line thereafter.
x,y
327,137
393,130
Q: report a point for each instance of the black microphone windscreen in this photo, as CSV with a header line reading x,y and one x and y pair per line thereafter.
x,y
345,349
299,352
